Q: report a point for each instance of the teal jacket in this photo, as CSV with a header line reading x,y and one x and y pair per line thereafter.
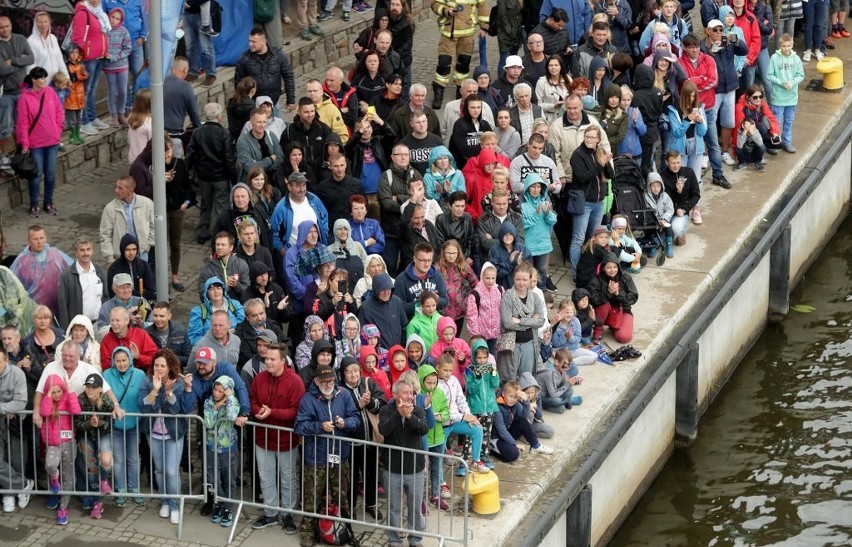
x,y
537,226
785,68
482,382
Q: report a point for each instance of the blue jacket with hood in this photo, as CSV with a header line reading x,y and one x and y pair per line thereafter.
x,y
282,221
315,409
579,16
125,385
499,255
296,284
389,317
431,179
200,315
537,225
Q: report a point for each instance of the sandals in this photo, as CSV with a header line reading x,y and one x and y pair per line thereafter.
x,y
624,352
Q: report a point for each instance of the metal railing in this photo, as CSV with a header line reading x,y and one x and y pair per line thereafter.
x,y
250,474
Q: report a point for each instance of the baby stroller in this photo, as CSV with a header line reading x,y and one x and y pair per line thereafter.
x,y
628,190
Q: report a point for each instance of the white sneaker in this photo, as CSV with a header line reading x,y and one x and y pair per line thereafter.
x,y
165,511
728,159
24,497
819,55
806,56
88,129
287,20
98,124
8,504
174,516
541,449
705,163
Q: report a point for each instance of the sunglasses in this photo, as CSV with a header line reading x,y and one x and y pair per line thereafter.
x,y
756,97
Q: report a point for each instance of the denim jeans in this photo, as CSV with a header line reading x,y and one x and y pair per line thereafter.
x,y
45,159
125,454
8,111
557,404
540,264
762,64
92,446
166,455
747,77
409,485
222,471
436,469
785,116
472,431
725,105
693,161
583,226
136,60
93,69
279,478
199,46
711,142
816,16
116,92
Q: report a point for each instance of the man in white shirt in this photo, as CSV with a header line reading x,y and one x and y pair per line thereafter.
x,y
82,287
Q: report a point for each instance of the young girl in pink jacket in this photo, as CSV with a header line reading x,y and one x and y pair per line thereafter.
x,y
57,434
483,307
448,341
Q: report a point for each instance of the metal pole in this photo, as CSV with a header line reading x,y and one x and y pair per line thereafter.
x,y
158,161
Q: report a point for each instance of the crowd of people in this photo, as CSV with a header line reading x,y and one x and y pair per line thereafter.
x,y
378,266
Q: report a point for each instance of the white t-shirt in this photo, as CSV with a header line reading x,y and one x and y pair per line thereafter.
x,y
93,291
75,381
301,212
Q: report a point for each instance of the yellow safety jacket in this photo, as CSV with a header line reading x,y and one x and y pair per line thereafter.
x,y
474,13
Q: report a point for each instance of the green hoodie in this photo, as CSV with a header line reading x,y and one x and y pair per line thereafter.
x,y
424,326
440,406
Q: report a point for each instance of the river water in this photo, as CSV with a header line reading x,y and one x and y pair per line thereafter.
x,y
772,464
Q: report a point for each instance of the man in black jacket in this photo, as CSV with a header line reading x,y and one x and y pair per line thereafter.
x,y
214,160
251,328
269,67
488,228
457,224
308,131
168,334
336,190
403,424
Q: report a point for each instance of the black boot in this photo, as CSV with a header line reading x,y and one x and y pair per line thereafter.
x,y
437,96
207,508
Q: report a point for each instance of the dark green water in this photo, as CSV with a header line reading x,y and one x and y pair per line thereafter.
x,y
772,464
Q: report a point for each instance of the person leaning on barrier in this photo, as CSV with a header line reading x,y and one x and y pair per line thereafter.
x,y
275,396
328,411
403,425
13,399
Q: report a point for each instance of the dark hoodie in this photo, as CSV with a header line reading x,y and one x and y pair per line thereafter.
x,y
598,93
307,373
276,293
598,288
409,237
489,95
178,191
335,195
325,171
582,314
137,268
499,255
233,217
389,317
649,100
408,287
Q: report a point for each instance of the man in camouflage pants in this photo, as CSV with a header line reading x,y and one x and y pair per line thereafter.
x,y
328,411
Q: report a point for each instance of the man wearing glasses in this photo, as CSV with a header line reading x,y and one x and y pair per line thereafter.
x,y
723,48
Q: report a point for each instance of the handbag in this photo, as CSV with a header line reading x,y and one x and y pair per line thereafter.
x,y
576,204
506,341
264,10
23,164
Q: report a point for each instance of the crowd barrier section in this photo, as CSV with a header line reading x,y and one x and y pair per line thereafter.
x,y
24,453
355,470
350,463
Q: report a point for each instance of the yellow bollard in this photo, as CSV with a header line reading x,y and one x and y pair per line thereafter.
x,y
832,70
485,490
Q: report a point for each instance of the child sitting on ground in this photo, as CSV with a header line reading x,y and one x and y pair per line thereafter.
x,y
536,416
557,392
95,442
435,440
460,421
220,411
449,342
511,423
425,321
568,335
482,384
585,313
57,436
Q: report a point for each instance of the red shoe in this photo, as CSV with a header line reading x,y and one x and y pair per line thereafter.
x,y
844,32
835,34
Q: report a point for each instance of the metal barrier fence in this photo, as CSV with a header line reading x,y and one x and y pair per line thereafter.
x,y
81,466
268,469
352,469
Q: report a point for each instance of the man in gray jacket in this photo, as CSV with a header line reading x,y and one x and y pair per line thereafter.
x,y
15,56
13,399
259,147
